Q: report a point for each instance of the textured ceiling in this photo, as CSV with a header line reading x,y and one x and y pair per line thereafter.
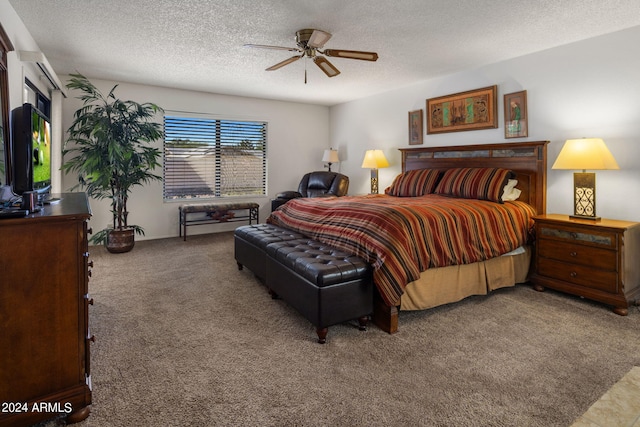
x,y
198,45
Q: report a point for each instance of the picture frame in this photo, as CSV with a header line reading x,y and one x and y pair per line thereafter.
x,y
516,124
415,127
471,110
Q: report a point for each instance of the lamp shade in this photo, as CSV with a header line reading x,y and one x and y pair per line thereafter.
x,y
330,156
585,153
374,159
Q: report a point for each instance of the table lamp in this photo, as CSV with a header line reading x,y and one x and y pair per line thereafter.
x,y
374,160
330,156
585,153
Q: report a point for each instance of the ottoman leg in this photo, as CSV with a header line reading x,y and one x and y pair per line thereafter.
x,y
239,266
273,294
322,335
362,321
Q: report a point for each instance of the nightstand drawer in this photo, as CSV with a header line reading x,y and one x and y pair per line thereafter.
x,y
576,235
578,254
579,275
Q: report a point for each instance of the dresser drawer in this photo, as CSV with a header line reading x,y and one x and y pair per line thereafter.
x,y
589,277
595,257
575,235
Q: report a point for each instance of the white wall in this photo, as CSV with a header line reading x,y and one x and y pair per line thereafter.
x,y
297,137
585,89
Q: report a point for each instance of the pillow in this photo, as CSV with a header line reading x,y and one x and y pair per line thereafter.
x,y
510,192
414,183
474,183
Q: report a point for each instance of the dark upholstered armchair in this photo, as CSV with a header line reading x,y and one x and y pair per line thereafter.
x,y
315,184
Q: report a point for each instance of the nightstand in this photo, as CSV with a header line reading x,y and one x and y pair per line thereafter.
x,y
598,260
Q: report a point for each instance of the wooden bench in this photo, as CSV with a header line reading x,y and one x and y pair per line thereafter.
x,y
216,213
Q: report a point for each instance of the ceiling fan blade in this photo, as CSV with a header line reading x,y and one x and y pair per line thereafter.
x,y
285,62
329,69
351,54
318,38
264,46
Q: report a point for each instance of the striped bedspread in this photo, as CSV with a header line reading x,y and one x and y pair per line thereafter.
x,y
403,236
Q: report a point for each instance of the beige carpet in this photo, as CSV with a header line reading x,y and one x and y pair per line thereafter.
x,y
185,339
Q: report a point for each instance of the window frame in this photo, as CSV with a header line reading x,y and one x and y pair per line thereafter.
x,y
244,139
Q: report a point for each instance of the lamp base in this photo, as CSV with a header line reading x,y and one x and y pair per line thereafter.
x,y
374,181
584,195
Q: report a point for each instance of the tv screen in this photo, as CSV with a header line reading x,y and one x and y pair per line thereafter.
x,y
31,150
41,147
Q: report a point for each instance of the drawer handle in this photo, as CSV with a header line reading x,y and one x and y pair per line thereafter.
x,y
574,254
574,235
573,274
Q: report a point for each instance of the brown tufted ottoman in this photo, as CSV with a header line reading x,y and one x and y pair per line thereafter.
x,y
325,285
251,245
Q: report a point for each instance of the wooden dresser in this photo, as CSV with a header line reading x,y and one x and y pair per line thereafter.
x,y
599,260
44,314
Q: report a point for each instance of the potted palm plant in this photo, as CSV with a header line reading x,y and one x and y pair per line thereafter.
x,y
109,149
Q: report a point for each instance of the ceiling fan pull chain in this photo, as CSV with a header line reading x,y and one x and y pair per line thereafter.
x,y
305,70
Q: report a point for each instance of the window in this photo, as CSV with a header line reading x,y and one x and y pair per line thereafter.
x,y
206,158
35,97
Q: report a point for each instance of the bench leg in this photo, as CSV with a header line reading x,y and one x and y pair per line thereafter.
x,y
322,335
184,226
254,213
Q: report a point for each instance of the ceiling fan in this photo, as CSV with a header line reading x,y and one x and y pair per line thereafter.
x,y
310,43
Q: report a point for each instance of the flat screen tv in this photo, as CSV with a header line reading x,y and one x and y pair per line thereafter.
x,y
31,150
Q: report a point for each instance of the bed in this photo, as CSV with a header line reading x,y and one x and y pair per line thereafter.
x,y
393,231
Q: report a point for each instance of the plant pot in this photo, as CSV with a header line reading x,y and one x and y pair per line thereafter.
x,y
120,241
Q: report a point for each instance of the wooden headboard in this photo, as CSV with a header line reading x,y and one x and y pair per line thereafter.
x,y
527,159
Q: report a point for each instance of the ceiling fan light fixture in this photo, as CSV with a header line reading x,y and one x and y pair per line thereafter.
x,y
329,69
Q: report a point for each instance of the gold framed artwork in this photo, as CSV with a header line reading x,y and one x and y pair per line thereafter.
x,y
415,127
516,124
471,110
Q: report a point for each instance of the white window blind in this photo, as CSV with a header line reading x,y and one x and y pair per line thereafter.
x,y
206,158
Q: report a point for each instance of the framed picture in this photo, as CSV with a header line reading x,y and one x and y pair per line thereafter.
x,y
515,115
471,110
415,127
